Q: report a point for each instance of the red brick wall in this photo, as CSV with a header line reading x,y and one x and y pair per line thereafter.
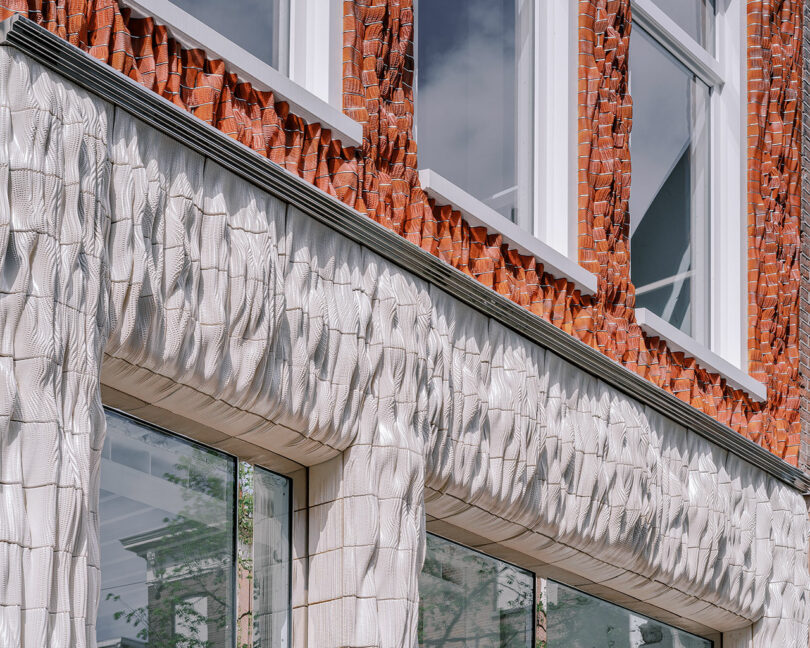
x,y
381,180
774,210
804,292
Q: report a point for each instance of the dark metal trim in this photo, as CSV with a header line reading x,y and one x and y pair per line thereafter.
x,y
149,107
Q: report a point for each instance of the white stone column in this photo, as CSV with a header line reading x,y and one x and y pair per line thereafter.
x,y
366,543
53,325
366,525
738,639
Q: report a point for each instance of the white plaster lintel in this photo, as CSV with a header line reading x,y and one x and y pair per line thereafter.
x,y
194,33
477,214
677,340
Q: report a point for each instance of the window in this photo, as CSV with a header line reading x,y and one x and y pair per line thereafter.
x,y
474,106
259,26
177,544
271,551
574,618
695,17
467,598
669,198
290,48
675,81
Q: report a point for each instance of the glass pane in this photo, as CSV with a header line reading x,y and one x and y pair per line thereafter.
x,y
166,516
574,618
695,17
271,556
259,26
474,98
671,301
468,599
669,195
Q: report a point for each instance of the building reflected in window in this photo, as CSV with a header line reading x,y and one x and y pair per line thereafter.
x,y
669,200
168,529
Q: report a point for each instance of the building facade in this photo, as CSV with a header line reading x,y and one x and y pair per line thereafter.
x,y
274,375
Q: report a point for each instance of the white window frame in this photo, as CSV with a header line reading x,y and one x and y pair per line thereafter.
x,y
724,73
527,115
556,116
315,97
548,230
552,160
316,48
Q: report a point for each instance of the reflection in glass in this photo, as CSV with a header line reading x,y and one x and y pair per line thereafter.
x,y
259,26
166,513
468,599
695,17
576,620
669,197
474,98
271,553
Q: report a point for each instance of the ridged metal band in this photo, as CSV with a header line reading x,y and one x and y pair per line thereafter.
x,y
114,87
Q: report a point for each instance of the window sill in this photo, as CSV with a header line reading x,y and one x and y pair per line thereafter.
x,y
192,33
677,340
477,214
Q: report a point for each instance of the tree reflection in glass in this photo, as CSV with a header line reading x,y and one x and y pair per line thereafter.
x,y
469,599
578,620
167,535
170,515
264,552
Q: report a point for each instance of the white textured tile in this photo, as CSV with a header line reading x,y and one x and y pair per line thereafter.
x,y
325,527
325,481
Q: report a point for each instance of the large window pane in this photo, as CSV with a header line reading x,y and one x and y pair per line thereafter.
x,y
259,26
470,600
695,17
669,196
474,98
577,619
166,513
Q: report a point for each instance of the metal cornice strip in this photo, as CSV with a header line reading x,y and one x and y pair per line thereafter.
x,y
113,87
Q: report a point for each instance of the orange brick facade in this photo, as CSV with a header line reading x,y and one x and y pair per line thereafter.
x,y
381,179
774,210
804,264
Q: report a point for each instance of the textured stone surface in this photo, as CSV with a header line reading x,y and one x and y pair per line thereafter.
x,y
54,215
266,324
380,179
